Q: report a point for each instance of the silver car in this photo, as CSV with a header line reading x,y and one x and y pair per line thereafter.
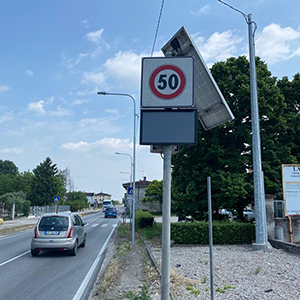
x,y
62,231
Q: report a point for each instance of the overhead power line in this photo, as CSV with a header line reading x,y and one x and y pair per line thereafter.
x,y
158,23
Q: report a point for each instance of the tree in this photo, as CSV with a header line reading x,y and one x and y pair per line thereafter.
x,y
67,179
154,192
224,153
291,91
77,200
46,183
7,167
19,199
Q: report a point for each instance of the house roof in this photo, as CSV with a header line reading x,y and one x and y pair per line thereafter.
x,y
140,183
103,194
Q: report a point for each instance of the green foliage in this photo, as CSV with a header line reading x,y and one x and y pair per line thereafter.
x,y
193,291
152,232
142,295
154,192
224,153
17,198
77,201
46,184
7,167
143,219
26,208
223,233
257,270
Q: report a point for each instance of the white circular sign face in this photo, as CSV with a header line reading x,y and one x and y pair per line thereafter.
x,y
167,82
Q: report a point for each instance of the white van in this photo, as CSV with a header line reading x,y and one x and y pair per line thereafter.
x,y
106,204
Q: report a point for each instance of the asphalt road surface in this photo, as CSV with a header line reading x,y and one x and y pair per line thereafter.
x,y
53,275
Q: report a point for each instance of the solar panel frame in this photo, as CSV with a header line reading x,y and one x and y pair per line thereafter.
x,y
212,108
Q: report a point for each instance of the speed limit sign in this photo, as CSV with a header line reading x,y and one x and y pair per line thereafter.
x,y
167,82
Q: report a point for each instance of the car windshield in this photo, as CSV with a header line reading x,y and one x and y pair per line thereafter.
x,y
54,223
106,203
110,209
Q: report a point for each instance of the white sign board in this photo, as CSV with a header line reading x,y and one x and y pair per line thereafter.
x,y
167,82
291,189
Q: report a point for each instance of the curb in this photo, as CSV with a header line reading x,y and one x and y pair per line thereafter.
x,y
155,264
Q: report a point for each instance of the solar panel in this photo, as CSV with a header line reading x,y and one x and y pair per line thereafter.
x,y
212,108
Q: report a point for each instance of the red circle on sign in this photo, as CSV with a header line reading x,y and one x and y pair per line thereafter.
x,y
167,96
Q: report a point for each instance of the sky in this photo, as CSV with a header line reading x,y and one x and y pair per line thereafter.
x,y
56,55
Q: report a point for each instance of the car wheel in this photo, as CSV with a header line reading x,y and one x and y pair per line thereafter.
x,y
35,252
84,242
73,252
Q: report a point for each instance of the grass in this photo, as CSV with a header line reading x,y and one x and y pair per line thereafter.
x,y
111,272
193,291
257,270
152,233
124,231
142,295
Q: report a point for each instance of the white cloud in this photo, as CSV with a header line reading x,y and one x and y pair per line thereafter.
x,y
70,63
97,78
6,117
79,102
104,125
126,67
202,11
112,111
85,23
275,43
4,88
95,36
15,132
29,73
37,107
111,143
60,111
219,46
11,150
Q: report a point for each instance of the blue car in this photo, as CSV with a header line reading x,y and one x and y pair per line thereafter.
x,y
110,212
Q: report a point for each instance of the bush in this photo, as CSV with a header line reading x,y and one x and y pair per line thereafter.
x,y
26,208
143,219
223,233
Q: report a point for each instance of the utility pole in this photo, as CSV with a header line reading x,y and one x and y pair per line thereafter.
x,y
258,177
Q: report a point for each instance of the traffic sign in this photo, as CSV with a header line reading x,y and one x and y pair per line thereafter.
x,y
167,82
130,191
56,198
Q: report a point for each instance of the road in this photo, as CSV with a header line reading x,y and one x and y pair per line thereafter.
x,y
53,275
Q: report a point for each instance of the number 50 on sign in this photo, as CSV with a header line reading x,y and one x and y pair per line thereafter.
x,y
167,82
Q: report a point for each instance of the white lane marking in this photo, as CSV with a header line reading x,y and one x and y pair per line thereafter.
x,y
12,259
95,225
114,225
104,225
88,276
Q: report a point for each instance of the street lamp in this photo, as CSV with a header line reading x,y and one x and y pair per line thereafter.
x,y
134,159
258,176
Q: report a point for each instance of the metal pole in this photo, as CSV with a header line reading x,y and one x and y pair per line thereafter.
x,y
166,230
259,194
134,159
210,239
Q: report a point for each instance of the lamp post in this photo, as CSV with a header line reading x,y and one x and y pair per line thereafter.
x,y
258,176
134,158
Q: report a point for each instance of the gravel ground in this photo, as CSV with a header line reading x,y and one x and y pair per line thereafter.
x,y
239,273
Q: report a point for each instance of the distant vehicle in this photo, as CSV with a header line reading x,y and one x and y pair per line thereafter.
x,y
62,231
106,204
110,212
249,214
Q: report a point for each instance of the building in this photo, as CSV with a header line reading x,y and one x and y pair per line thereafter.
x,y
140,190
102,196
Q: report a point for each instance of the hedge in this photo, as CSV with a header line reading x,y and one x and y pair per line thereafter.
x,y
223,233
143,219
